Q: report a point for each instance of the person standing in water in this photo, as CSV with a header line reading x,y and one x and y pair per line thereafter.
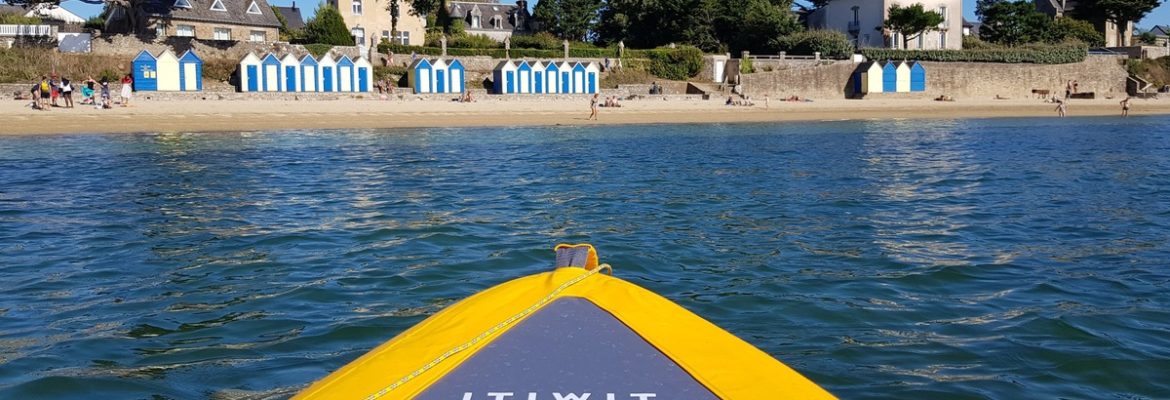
x,y
1125,107
592,108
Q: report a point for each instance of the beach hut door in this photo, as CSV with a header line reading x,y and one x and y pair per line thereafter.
x,y
327,77
290,79
190,77
440,81
253,78
539,84
456,81
510,82
565,82
363,80
719,64
592,83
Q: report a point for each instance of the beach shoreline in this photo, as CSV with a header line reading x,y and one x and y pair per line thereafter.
x,y
277,115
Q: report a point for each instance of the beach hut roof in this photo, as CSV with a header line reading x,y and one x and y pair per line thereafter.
x,y
439,63
344,60
144,56
420,63
250,59
327,58
308,59
577,66
455,64
592,66
361,62
523,64
506,64
538,64
551,65
289,59
168,54
271,59
190,56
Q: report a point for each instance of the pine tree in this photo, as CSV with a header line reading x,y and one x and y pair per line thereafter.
x,y
327,27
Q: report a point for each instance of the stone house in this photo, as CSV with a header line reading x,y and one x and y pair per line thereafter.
x,y
1161,35
863,21
223,20
491,18
292,16
1114,37
369,22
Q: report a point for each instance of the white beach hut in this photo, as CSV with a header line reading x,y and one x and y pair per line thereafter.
x,y
578,78
250,73
505,77
420,76
441,82
345,75
456,74
168,71
270,66
292,77
327,68
364,74
565,77
902,83
538,77
190,72
592,77
870,78
309,74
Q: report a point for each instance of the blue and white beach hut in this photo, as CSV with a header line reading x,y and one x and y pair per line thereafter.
x,y
592,77
363,75
538,77
551,78
889,77
271,73
505,77
565,77
145,67
327,67
523,77
309,74
456,74
420,76
190,72
903,82
441,84
345,75
290,73
167,65
250,73
578,78
917,77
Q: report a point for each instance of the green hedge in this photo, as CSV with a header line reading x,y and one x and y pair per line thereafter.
x,y
500,53
677,64
831,44
1035,54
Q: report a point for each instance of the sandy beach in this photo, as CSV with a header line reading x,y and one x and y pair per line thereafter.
x,y
268,115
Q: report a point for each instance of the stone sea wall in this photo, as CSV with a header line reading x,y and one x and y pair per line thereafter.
x,y
1104,75
130,45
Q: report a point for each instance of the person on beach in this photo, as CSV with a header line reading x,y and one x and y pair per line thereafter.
x,y
1061,108
1125,107
67,92
87,91
765,101
54,89
104,99
46,91
127,90
36,96
592,108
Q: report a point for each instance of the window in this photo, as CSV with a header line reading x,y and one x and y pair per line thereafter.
x,y
218,6
475,22
497,22
160,30
943,10
403,38
856,14
921,41
182,4
185,30
942,40
386,36
357,7
257,36
359,36
222,34
253,8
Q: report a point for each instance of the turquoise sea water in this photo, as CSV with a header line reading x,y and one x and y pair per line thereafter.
x,y
964,259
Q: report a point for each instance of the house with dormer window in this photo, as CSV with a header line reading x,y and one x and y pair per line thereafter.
x,y
863,22
225,20
491,18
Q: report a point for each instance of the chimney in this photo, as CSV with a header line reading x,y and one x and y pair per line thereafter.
x,y
294,6
522,4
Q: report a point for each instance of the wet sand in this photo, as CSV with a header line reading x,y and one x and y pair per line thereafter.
x,y
275,115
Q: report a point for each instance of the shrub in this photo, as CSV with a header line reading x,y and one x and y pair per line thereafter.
x,y
1066,29
17,19
94,22
746,67
831,44
676,64
328,27
499,52
219,69
1035,54
473,42
542,40
626,77
382,72
1156,71
318,49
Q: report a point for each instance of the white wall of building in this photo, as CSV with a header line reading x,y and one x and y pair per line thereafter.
x,y
862,21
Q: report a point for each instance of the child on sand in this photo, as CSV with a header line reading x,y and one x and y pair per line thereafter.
x,y
127,90
592,108
1125,107
1061,108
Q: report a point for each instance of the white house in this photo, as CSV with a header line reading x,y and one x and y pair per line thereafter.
x,y
863,21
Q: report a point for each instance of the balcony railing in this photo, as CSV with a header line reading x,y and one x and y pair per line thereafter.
x,y
27,30
854,26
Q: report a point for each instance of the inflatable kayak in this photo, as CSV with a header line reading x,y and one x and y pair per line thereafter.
x,y
570,334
